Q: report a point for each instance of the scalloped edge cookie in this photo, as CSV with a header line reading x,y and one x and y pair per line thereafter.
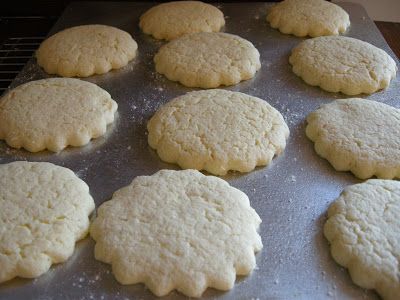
x,y
44,210
308,18
178,230
86,50
217,131
363,229
343,64
76,112
171,20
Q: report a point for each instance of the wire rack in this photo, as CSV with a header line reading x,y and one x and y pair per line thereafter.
x,y
14,54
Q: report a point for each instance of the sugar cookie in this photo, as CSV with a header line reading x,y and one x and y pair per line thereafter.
x,y
208,60
86,50
217,131
358,135
177,230
363,228
44,210
174,19
308,17
54,113
343,64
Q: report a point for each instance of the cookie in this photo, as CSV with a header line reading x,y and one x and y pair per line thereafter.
x,y
217,131
308,17
171,20
363,228
75,112
343,64
357,135
86,50
44,210
208,60
177,230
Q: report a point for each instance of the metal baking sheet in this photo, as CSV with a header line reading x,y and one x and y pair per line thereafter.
x,y
291,195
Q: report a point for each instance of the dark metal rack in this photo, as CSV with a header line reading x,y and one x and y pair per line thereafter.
x,y
14,53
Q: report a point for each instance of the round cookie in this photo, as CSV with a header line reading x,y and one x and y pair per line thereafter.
x,y
343,64
363,228
86,50
217,131
177,230
308,17
44,210
358,135
75,111
174,19
208,60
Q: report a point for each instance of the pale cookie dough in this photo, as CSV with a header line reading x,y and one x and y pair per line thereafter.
x,y
54,113
358,135
343,64
308,17
363,228
174,19
44,210
86,50
208,60
178,230
217,131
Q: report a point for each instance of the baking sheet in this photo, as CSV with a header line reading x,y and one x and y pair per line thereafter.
x,y
291,195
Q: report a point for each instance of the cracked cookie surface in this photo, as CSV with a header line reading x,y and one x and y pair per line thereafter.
x,y
363,228
177,230
208,60
86,50
308,17
343,64
44,210
217,131
174,19
358,135
54,113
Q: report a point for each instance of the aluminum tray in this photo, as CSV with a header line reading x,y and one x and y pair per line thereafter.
x,y
291,195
